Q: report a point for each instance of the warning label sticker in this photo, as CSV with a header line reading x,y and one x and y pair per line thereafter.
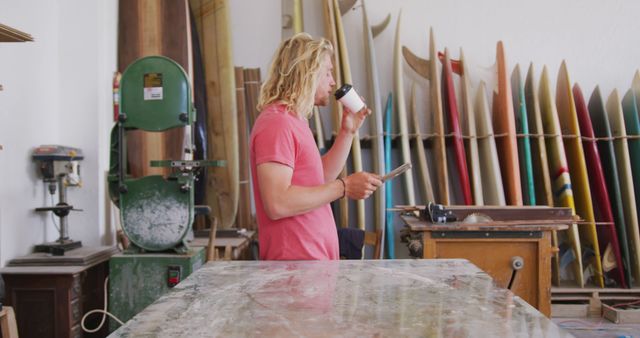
x,y
153,86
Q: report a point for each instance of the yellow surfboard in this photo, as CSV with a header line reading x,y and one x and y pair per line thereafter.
x,y
356,154
559,171
578,169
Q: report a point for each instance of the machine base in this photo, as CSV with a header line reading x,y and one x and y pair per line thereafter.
x,y
58,248
137,280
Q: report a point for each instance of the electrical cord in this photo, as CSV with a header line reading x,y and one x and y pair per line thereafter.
x,y
103,311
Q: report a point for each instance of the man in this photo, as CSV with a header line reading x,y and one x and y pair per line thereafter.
x,y
293,185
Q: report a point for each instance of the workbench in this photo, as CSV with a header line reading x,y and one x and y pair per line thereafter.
x,y
493,248
228,247
352,298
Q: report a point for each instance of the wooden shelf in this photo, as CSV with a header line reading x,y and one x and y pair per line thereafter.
x,y
8,34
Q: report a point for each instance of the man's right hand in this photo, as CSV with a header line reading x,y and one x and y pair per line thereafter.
x,y
361,185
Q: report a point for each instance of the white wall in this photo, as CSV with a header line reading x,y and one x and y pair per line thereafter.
x,y
598,40
58,88
56,91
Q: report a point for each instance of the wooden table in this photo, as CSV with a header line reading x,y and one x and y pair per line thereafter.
x,y
229,248
350,298
493,248
50,294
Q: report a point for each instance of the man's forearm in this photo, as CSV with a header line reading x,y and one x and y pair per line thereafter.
x,y
299,199
334,160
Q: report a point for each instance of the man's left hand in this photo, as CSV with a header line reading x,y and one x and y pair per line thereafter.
x,y
351,122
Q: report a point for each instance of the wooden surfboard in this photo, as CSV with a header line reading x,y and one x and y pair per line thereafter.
x,y
153,27
429,69
542,181
450,109
332,35
621,146
607,234
524,145
563,192
212,20
398,87
601,127
492,188
356,153
578,170
505,126
468,119
389,228
377,128
423,166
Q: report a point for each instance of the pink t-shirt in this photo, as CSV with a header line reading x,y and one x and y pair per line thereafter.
x,y
278,136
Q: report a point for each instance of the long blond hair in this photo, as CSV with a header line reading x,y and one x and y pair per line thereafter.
x,y
293,74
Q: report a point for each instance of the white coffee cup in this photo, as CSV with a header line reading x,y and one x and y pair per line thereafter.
x,y
348,96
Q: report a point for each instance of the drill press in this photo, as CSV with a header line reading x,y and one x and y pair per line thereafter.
x,y
59,168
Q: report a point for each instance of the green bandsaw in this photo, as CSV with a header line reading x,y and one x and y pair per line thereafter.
x,y
156,212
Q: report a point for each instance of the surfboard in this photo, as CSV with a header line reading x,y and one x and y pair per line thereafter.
x,y
374,103
389,229
468,121
492,187
145,28
424,177
429,69
332,35
398,88
200,126
568,119
244,195
542,181
607,234
450,108
504,126
621,146
602,129
293,11
563,192
524,144
212,21
356,152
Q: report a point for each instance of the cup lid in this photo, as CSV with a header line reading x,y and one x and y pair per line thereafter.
x,y
342,91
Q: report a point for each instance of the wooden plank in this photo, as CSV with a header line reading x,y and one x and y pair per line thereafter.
x,y
621,316
252,83
244,199
569,310
145,28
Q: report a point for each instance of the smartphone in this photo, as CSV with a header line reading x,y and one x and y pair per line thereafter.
x,y
397,171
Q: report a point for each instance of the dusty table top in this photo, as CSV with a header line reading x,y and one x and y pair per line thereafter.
x,y
443,297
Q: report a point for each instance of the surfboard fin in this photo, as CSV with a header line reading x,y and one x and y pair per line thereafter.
x,y
345,5
418,64
377,29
